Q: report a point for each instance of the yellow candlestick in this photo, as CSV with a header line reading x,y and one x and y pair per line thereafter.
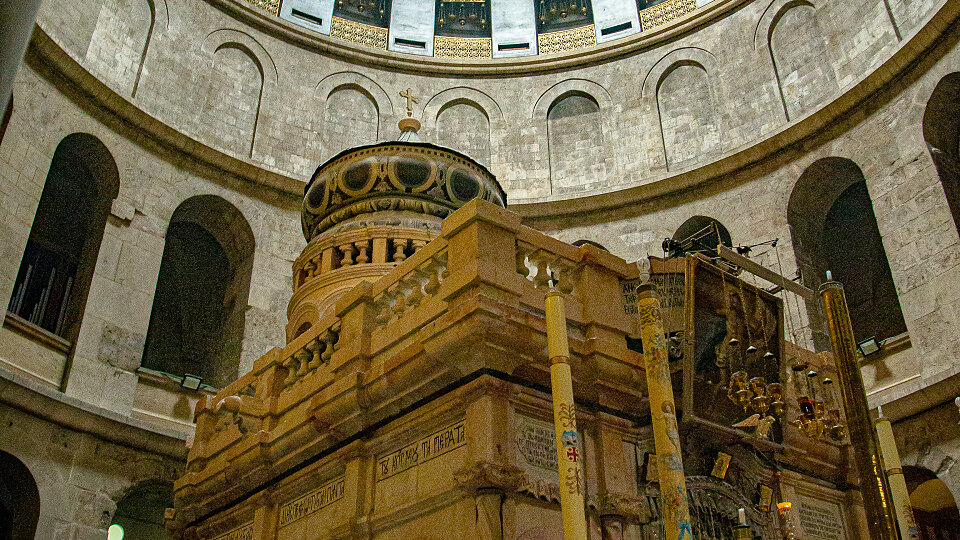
x,y
898,485
666,436
565,422
866,452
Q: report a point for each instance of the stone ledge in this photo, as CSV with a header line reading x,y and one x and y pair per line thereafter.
x,y
54,406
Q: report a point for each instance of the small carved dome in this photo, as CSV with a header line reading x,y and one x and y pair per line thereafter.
x,y
397,175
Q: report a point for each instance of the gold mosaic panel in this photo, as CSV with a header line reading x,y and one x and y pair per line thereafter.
x,y
273,6
566,40
665,12
359,33
455,47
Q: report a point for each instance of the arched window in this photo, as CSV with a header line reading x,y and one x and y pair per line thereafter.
x,y
941,131
699,234
834,228
51,287
19,500
197,321
140,512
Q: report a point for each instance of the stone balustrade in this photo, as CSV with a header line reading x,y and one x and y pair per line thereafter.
x,y
370,245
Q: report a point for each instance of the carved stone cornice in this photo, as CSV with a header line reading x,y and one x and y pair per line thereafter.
x,y
620,504
486,475
540,489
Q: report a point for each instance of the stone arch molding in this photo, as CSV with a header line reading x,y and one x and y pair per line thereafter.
x,y
559,180
465,96
374,91
935,460
575,86
685,55
650,94
461,94
769,18
228,37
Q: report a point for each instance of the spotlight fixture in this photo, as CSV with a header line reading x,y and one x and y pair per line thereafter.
x,y
190,382
868,346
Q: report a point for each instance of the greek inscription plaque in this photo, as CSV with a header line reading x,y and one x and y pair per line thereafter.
x,y
537,443
427,448
321,497
671,289
821,520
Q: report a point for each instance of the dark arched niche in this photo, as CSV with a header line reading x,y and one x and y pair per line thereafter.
x,y
934,506
941,131
834,228
197,321
702,234
19,500
61,252
141,511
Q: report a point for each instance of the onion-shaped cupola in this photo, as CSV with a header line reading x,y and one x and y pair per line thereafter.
x,y
370,207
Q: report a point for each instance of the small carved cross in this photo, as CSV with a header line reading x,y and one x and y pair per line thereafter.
x,y
408,95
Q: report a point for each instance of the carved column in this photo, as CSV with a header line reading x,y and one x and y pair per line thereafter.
x,y
489,482
612,527
489,515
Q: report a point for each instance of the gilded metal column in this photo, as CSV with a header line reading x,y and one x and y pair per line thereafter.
x,y
866,451
663,411
565,422
898,485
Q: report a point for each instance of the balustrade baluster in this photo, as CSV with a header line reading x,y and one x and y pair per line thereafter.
x,y
330,338
416,288
303,356
399,247
347,251
314,347
290,364
363,246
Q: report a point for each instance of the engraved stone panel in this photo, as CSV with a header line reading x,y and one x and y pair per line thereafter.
x,y
420,468
243,532
312,502
537,449
821,520
575,144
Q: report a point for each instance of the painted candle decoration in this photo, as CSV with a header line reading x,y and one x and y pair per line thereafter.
x,y
666,436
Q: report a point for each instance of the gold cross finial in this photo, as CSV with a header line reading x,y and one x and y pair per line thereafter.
x,y
408,95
